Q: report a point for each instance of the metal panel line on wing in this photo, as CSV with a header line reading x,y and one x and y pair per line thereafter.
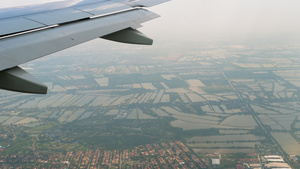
x,y
59,16
72,13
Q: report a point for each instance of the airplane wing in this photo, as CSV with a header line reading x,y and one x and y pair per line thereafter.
x,y
31,32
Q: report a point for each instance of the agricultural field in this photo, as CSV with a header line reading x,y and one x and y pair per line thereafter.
x,y
240,121
287,142
225,138
230,144
223,150
12,120
3,118
102,82
113,112
26,121
233,131
85,115
160,112
75,115
133,114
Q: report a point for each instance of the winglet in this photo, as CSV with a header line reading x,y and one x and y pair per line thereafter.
x,y
18,80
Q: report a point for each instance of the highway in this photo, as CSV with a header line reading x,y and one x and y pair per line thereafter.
x,y
254,115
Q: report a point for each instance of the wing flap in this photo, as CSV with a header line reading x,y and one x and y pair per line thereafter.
x,y
17,79
15,25
59,16
103,8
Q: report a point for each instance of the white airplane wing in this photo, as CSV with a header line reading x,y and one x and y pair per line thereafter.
x,y
31,32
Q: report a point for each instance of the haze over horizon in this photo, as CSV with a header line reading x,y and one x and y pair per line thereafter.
x,y
197,19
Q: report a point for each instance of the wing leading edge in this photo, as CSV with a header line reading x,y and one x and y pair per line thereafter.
x,y
37,32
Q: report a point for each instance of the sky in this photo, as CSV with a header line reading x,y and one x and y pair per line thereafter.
x,y
195,19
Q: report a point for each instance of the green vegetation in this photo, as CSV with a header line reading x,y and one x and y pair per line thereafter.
x,y
50,125
22,145
176,83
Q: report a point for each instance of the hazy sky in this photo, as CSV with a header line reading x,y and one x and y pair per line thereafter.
x,y
198,18
195,18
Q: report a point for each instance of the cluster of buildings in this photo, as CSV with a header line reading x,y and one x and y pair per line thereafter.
x,y
248,163
173,154
274,161
169,155
266,162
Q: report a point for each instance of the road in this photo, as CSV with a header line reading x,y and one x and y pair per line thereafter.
x,y
254,115
33,147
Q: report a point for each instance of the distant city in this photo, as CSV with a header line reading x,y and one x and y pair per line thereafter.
x,y
209,104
